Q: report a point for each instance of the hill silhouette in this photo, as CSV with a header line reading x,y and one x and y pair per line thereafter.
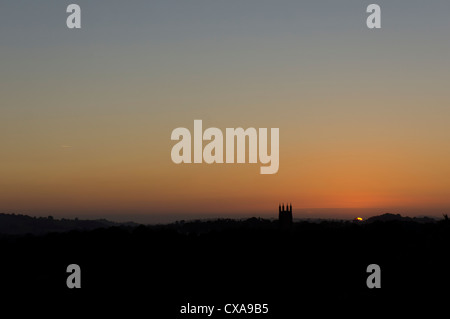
x,y
314,266
397,217
18,224
13,224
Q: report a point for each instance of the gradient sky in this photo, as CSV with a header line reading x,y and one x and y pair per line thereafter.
x,y
86,115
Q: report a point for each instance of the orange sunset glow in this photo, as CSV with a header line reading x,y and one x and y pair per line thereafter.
x,y
86,118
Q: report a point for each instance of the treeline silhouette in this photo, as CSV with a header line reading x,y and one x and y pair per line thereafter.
x,y
318,266
17,224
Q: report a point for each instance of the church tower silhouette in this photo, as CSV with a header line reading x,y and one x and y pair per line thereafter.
x,y
285,215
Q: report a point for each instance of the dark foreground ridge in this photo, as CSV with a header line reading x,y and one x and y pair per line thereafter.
x,y
156,269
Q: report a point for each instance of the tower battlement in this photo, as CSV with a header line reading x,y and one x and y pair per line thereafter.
x,y
285,215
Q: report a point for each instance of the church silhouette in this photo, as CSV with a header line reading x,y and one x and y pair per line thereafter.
x,y
285,215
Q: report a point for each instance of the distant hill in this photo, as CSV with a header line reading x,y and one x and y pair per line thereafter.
x,y
12,224
398,217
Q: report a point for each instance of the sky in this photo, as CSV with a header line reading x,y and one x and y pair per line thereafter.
x,y
86,115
